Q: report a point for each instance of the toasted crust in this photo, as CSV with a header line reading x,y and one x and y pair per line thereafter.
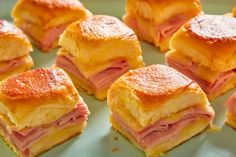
x,y
201,27
100,27
8,29
156,83
72,4
37,97
208,40
11,36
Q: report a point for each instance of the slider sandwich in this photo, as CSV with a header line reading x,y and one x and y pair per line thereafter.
x,y
204,50
45,20
40,109
157,108
14,50
96,51
231,113
155,21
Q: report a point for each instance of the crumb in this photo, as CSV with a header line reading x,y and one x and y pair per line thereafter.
x,y
115,149
116,138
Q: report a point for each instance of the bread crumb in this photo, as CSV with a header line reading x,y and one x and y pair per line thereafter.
x,y
116,138
115,149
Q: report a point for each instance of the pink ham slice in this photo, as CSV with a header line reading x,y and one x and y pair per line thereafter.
x,y
163,30
163,130
49,37
100,80
52,35
231,104
11,64
190,70
168,28
24,138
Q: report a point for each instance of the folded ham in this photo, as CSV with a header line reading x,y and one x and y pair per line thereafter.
x,y
162,31
211,88
11,64
231,104
23,139
164,129
46,38
98,81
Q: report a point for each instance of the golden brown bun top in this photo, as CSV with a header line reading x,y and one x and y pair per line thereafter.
x,y
37,97
72,4
209,41
8,29
213,28
101,27
155,83
36,84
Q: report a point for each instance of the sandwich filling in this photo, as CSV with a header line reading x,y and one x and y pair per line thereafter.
x,y
158,32
210,86
164,129
6,66
24,138
43,38
98,81
231,104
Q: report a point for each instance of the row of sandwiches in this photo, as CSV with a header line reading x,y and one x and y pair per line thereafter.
x,y
156,107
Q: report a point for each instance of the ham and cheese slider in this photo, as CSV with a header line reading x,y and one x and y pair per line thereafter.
x,y
40,109
158,108
231,113
96,51
204,50
155,21
44,20
14,50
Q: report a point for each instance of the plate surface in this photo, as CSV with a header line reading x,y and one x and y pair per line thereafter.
x,y
98,139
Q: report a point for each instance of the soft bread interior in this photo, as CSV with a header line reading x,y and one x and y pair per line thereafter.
x,y
34,13
32,116
186,133
54,137
153,10
83,86
217,57
123,94
13,47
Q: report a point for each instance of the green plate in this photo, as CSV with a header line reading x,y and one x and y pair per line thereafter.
x,y
98,139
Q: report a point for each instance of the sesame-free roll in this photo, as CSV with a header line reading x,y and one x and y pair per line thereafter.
x,y
158,108
204,50
96,51
155,21
14,50
40,109
45,20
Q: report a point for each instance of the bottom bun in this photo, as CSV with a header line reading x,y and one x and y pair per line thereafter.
x,y
159,150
